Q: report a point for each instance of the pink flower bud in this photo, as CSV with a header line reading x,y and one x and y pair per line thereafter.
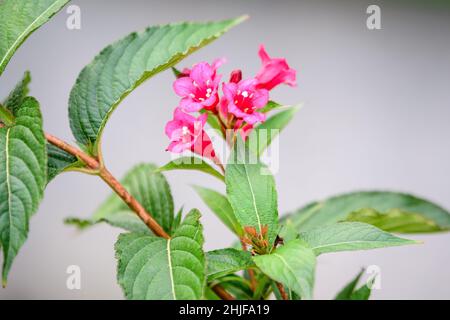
x,y
236,76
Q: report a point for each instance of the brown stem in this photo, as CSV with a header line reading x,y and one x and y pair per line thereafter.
x,y
253,282
118,188
132,203
222,293
91,162
282,291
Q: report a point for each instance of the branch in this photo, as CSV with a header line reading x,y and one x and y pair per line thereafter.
x,y
282,291
132,203
118,188
91,162
222,293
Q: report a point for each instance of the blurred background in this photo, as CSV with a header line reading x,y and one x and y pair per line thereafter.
x,y
376,116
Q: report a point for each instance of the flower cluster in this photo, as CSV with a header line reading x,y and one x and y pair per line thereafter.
x,y
236,107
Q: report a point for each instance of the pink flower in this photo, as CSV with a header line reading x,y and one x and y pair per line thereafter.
x,y
186,133
242,99
198,87
274,71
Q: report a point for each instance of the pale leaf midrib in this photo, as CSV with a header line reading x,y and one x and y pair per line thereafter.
x,y
288,267
395,242
169,258
253,198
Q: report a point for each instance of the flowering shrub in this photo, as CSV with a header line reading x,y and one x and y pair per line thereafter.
x,y
160,254
237,109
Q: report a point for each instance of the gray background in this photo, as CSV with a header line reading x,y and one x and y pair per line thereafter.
x,y
376,117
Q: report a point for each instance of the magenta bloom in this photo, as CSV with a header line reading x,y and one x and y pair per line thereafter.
x,y
243,99
198,87
274,71
186,133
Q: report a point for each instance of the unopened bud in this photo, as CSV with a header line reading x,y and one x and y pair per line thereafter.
x,y
236,76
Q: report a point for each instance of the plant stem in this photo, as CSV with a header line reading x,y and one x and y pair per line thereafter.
x,y
119,189
132,203
91,162
282,291
115,185
222,293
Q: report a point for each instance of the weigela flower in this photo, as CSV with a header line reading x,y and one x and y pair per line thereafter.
x,y
243,99
274,71
187,133
198,86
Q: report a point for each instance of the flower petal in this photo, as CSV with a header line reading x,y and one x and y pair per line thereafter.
x,y
189,105
183,86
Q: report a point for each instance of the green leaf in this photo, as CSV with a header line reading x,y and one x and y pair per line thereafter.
x,y
351,293
18,95
153,268
22,177
81,224
122,66
263,286
271,105
252,193
268,130
340,207
150,189
225,261
292,265
237,286
347,291
191,163
276,291
349,236
177,219
288,232
175,72
395,220
18,19
363,293
219,204
59,161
